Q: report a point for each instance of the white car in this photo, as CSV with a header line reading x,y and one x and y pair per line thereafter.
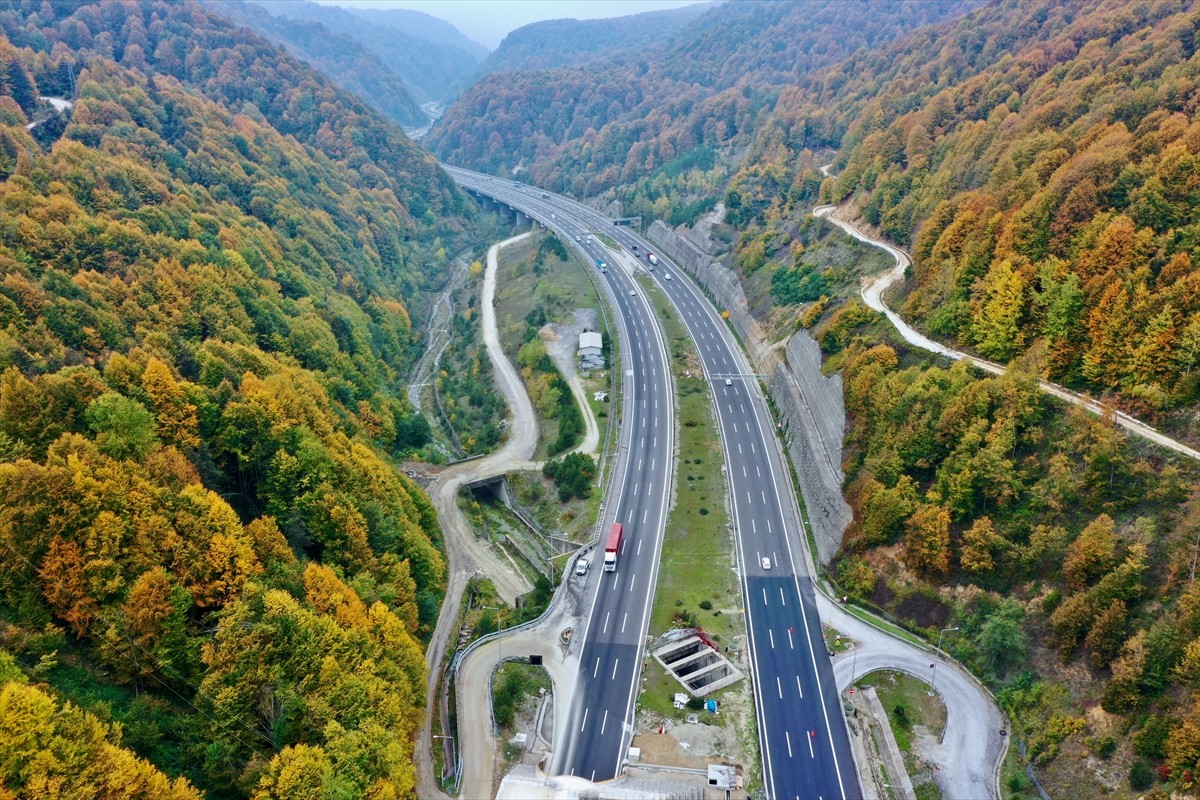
x,y
581,568
577,238
729,381
667,275
766,563
633,291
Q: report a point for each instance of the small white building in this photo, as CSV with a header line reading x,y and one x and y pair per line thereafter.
x,y
591,343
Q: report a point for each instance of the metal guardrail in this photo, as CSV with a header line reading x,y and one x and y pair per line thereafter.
x,y
457,660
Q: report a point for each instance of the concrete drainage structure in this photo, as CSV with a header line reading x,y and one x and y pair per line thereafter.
x,y
697,665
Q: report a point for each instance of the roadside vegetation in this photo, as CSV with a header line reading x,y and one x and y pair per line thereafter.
x,y
542,283
465,392
517,690
914,717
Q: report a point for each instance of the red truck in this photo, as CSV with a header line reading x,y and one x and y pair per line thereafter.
x,y
615,534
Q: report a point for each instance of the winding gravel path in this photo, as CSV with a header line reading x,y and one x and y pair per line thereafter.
x,y
874,287
465,554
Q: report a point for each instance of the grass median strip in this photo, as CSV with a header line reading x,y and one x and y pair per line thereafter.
x,y
696,583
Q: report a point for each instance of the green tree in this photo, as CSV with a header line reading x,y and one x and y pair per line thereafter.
x,y
1001,641
124,428
997,326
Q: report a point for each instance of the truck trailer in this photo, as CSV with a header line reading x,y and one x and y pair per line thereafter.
x,y
652,258
615,534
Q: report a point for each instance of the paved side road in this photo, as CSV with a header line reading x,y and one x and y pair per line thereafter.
x,y
972,747
872,292
467,556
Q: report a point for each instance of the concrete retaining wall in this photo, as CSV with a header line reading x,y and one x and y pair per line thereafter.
x,y
810,405
814,419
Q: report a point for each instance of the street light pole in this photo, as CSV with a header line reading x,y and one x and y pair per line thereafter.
x,y
937,657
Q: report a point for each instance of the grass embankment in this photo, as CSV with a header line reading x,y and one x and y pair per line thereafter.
x,y
696,581
514,685
542,281
911,713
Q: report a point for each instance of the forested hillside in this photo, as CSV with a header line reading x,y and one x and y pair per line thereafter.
x,y
342,58
573,42
207,555
667,114
430,59
419,24
1042,169
1039,160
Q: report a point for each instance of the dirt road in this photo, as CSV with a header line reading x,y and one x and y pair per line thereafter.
x,y
872,292
465,554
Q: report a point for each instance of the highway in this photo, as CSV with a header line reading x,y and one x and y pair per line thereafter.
x,y
601,716
802,735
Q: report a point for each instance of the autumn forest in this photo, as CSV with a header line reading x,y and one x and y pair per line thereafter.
x,y
216,580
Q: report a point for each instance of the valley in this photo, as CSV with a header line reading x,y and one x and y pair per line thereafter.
x,y
721,400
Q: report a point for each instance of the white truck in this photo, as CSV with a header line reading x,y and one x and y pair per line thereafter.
x,y
653,259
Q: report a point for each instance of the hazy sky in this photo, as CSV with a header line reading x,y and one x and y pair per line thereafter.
x,y
487,21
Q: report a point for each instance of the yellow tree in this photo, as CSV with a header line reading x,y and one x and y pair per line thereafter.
x,y
177,421
927,540
979,543
997,323
1092,553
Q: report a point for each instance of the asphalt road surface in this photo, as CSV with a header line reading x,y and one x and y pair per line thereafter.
x,y
803,738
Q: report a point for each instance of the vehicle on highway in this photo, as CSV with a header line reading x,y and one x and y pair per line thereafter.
x,y
545,196
667,275
577,237
653,259
635,248
633,291
615,534
581,568
729,381
766,563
